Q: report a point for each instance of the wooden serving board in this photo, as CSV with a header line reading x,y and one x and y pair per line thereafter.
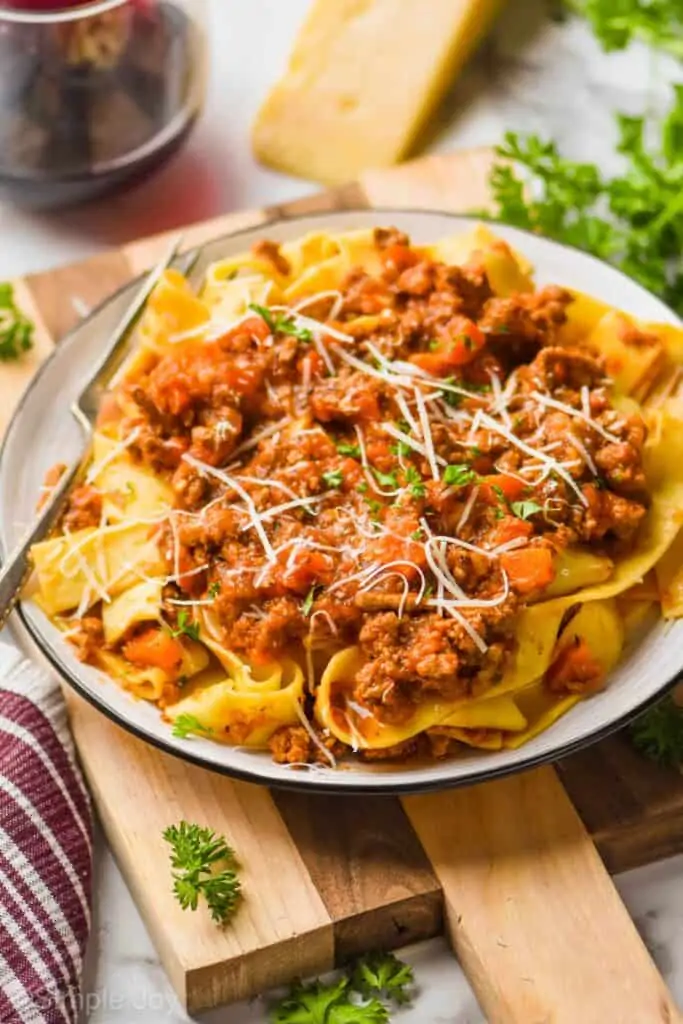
x,y
515,871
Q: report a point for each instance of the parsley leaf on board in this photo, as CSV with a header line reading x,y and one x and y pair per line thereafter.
x,y
186,724
383,974
633,220
458,474
617,23
659,733
185,626
205,866
16,330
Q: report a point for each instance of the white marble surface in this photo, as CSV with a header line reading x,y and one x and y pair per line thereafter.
x,y
534,75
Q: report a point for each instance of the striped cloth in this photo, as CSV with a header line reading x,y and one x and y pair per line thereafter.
x,y
45,851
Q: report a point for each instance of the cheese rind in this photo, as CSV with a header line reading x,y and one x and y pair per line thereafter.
x,y
362,80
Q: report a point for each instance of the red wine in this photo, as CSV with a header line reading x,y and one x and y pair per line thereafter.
x,y
86,106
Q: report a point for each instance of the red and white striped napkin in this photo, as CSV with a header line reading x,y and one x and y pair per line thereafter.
x,y
45,850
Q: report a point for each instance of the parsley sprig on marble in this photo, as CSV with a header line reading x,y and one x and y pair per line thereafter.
x,y
359,997
617,23
205,867
16,330
633,220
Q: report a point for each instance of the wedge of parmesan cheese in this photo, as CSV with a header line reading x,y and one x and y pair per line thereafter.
x,y
362,80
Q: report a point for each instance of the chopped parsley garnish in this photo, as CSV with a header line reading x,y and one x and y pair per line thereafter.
x,y
214,589
185,626
185,724
459,475
374,506
16,330
499,493
525,509
417,534
280,323
363,487
385,479
308,601
348,449
333,479
415,483
204,866
400,449
434,345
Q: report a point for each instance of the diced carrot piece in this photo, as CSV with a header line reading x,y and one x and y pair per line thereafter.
x,y
510,488
528,569
155,648
510,528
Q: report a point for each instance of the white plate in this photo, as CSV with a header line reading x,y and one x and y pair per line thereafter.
x,y
42,433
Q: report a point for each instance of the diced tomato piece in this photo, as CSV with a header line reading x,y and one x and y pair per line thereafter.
x,y
464,342
529,569
308,567
400,256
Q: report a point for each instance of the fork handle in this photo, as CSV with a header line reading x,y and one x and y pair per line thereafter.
x,y
17,567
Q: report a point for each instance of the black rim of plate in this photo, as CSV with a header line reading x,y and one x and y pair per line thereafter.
x,y
308,780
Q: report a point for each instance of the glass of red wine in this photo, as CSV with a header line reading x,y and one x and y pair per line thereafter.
x,y
94,94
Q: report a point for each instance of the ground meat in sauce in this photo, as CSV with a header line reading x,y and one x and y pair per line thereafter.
x,y
348,543
84,509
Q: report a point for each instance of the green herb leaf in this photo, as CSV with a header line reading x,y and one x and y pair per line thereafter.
x,y
308,601
363,487
458,475
659,733
186,724
185,626
525,509
348,449
385,479
204,866
16,330
415,483
617,23
333,479
384,975
214,589
633,220
281,323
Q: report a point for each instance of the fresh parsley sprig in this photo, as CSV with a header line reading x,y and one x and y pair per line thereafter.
x,y
617,23
185,626
183,725
359,997
280,323
16,330
205,866
633,220
659,733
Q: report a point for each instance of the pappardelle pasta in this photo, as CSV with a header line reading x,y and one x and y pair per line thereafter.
x,y
363,497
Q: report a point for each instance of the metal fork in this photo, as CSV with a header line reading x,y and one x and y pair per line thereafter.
x,y
84,409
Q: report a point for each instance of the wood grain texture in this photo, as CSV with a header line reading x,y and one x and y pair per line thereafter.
x,y
282,928
369,868
532,914
433,183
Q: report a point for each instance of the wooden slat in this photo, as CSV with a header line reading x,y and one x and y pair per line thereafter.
x,y
632,807
532,914
369,868
282,929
